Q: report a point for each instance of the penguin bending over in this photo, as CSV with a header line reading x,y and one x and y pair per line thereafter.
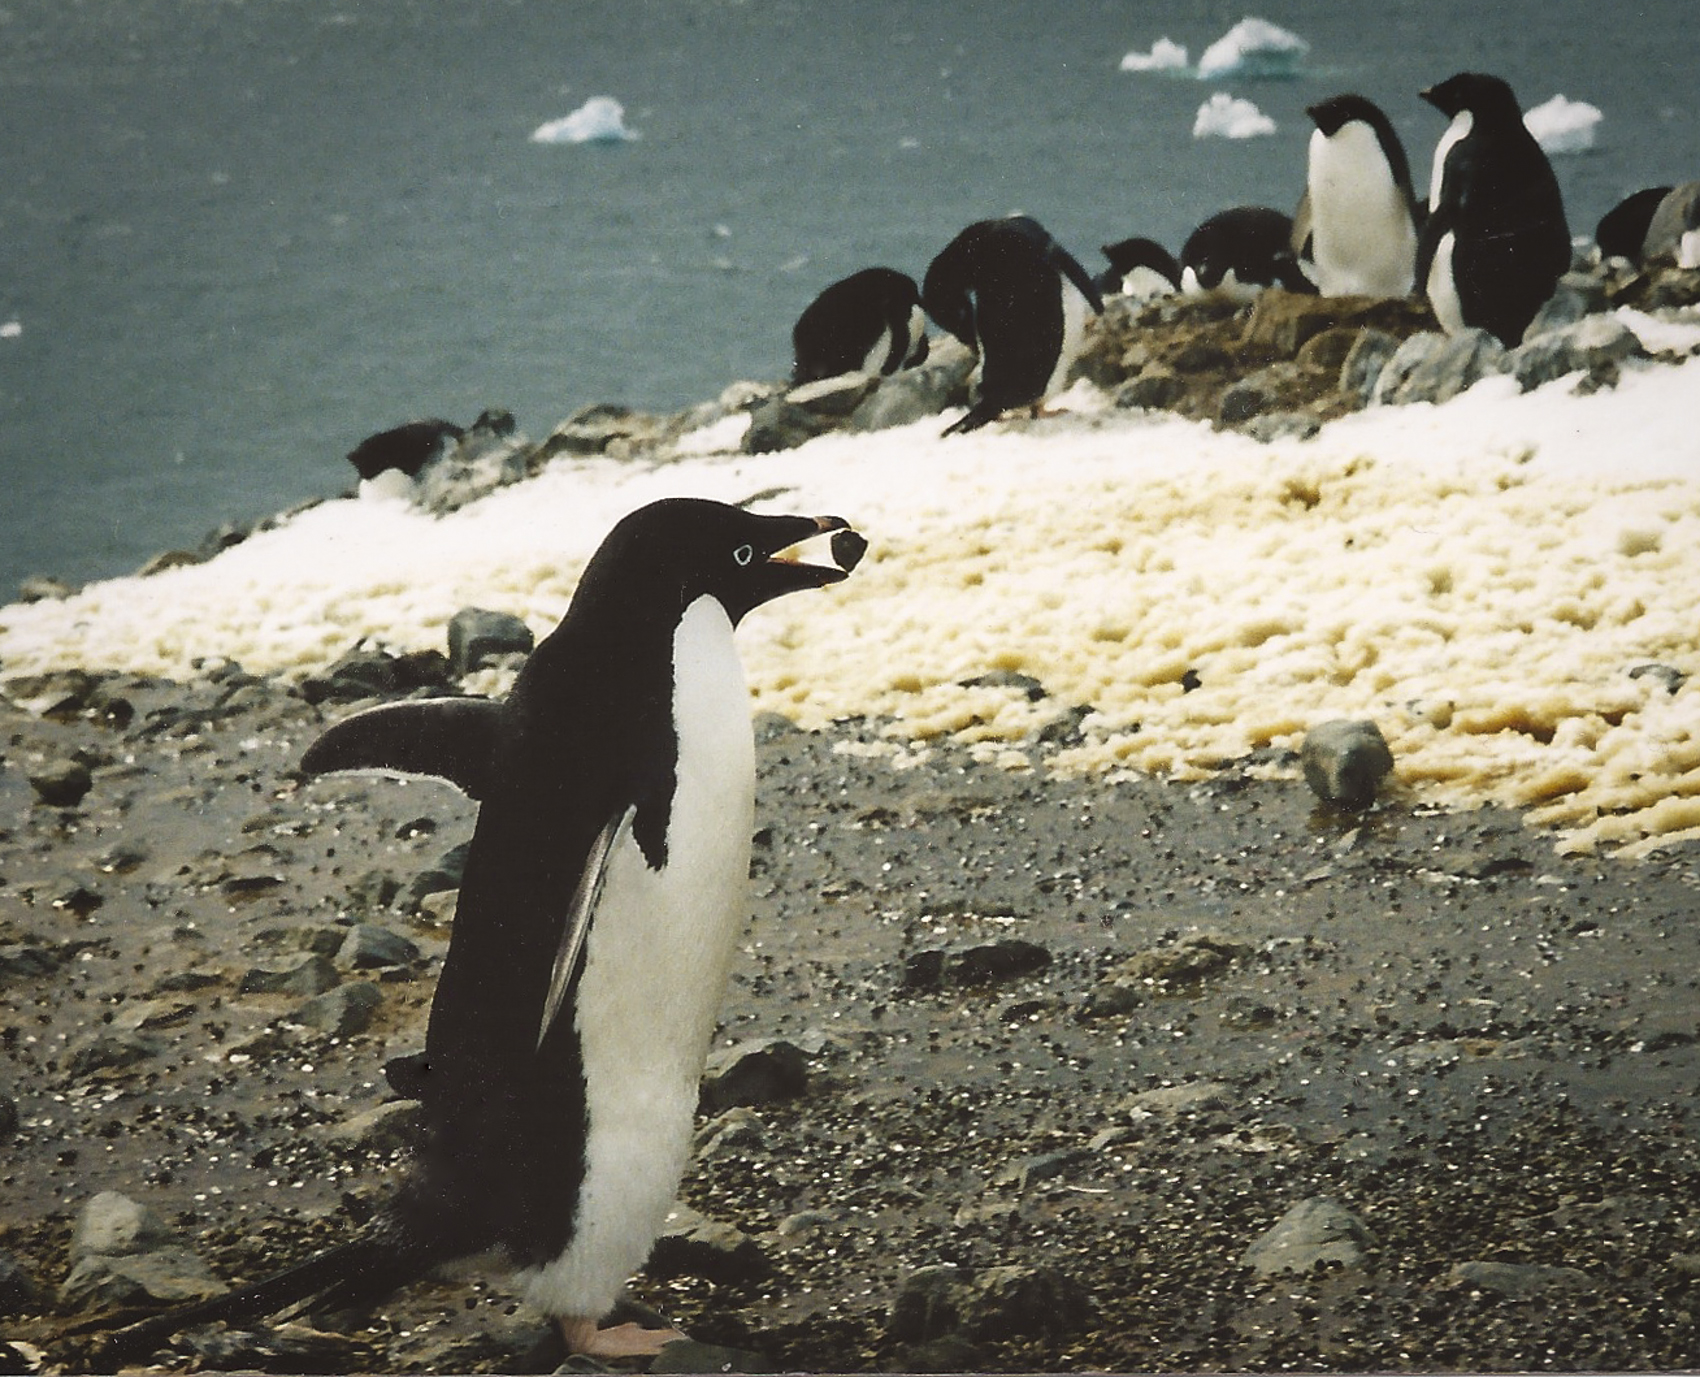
x,y
1240,252
1496,241
1139,268
1355,231
1020,300
602,897
870,322
1673,232
1622,231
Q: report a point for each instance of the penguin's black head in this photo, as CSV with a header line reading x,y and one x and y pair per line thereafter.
x,y
663,557
1476,92
1335,113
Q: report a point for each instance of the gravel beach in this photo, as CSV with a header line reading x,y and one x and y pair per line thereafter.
x,y
1014,1072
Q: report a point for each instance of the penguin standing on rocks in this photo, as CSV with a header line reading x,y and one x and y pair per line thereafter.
x,y
1496,241
1673,232
1240,252
870,322
1015,296
1141,269
602,897
1356,229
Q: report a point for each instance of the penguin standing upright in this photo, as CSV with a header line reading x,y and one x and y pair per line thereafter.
x,y
602,896
1356,228
1496,241
1015,296
870,321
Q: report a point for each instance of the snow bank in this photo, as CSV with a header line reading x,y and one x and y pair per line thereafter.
x,y
1165,56
1561,125
601,119
1230,117
1482,578
1253,48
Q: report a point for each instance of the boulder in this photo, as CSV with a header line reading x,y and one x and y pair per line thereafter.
x,y
692,1245
163,1276
753,1073
312,976
1314,1231
1344,761
1516,1279
344,1012
1594,345
62,783
477,636
116,1226
1436,368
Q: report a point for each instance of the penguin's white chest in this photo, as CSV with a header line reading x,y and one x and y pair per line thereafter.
x,y
1363,238
656,959
1456,133
1076,311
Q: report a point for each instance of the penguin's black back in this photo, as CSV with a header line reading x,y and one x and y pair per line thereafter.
x,y
838,328
1254,242
1622,230
405,447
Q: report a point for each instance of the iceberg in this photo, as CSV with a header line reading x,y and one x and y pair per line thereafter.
x,y
601,119
1229,117
1563,126
1253,48
1165,56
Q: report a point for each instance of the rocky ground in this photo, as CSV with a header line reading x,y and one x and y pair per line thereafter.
x,y
1014,1074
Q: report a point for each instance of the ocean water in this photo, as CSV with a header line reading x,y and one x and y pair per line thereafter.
x,y
237,237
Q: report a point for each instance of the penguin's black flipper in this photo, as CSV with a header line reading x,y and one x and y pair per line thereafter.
x,y
359,1272
448,738
1069,266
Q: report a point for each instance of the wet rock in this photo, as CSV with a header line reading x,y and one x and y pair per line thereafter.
x,y
687,1355
1516,1279
1436,368
692,1245
478,636
115,1225
62,783
389,1127
1595,346
163,1275
1314,1231
371,947
18,1290
312,976
990,1305
1344,761
343,1012
753,1073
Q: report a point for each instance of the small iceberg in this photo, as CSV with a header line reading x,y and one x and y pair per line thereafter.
x,y
1253,48
1563,126
1228,117
11,329
601,119
1165,56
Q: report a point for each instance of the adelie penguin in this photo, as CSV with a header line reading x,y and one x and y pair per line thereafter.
x,y
1140,269
1240,252
869,322
602,896
1496,241
1015,296
1355,231
408,448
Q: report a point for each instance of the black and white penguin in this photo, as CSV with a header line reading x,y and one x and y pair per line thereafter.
x,y
1496,241
1020,300
1673,234
405,448
602,897
1356,227
1240,252
1139,268
870,322
1622,231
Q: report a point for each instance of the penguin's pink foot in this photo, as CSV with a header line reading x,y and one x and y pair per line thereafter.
x,y
617,1341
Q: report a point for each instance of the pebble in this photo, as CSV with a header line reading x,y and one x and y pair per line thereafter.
x,y
62,783
1344,761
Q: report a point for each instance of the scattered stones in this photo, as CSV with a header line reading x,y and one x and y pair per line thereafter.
x,y
312,976
691,1245
753,1073
1517,1279
989,1305
478,636
1314,1231
343,1012
62,783
371,947
1344,761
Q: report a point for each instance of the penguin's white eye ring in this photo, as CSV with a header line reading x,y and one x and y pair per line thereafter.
x,y
743,555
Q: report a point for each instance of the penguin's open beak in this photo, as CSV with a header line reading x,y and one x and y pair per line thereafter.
x,y
785,569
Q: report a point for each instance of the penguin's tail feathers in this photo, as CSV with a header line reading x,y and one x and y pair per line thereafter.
x,y
359,1272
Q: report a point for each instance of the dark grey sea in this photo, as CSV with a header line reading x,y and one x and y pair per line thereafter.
x,y
236,236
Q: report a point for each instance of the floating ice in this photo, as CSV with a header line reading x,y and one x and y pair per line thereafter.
x,y
1165,56
601,119
1563,126
1228,117
1253,48
11,329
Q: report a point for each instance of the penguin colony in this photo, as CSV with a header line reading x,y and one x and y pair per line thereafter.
x,y
604,887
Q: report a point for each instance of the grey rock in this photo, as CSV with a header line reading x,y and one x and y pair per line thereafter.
x,y
1669,676
914,394
1028,1172
1275,426
1193,957
285,1348
1674,216
1595,345
1344,761
370,947
43,588
1154,389
833,398
62,783
692,1245
989,1305
735,1132
343,1012
116,1226
164,1275
467,473
1189,1098
477,636
58,693
18,1290
777,424
1435,368
1576,296
445,874
753,1073
1516,1279
312,976
20,961
687,1355
1314,1231
107,1051
367,672
989,964
388,1127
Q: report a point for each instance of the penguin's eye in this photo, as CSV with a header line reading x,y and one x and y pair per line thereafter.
x,y
744,554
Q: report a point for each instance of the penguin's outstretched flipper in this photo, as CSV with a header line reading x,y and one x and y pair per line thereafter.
x,y
446,738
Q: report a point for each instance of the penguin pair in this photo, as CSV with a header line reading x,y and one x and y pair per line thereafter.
x,y
597,917
1018,299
